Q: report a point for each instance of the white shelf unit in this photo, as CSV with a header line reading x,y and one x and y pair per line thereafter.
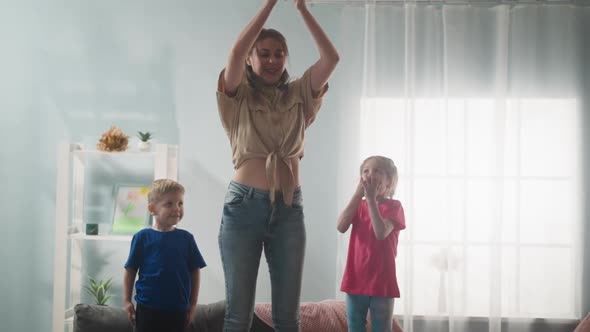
x,y
72,161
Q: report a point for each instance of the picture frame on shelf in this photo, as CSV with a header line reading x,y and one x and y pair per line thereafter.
x,y
130,213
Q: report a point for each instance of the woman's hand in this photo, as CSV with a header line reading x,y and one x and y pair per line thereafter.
x,y
300,4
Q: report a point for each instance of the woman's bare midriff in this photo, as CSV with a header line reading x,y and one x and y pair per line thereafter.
x,y
252,173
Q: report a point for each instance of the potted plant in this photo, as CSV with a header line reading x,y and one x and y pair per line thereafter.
x,y
144,140
99,290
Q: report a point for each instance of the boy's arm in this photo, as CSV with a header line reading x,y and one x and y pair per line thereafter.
x,y
128,282
346,216
195,285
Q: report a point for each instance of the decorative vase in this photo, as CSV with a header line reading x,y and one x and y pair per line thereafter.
x,y
144,146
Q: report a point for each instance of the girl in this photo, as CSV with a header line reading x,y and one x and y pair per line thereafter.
x,y
369,278
265,117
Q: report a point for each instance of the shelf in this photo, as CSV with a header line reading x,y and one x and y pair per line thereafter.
x,y
128,153
108,237
74,161
82,149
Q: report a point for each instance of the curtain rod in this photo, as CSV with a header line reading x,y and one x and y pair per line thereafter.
x,y
451,2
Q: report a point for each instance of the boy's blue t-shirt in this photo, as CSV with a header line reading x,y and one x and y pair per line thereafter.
x,y
165,261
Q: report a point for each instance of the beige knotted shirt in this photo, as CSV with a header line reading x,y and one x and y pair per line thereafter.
x,y
270,125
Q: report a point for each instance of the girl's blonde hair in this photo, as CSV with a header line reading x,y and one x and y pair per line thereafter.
x,y
390,170
160,187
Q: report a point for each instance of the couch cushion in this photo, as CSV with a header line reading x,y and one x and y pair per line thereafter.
x,y
584,325
100,318
208,318
325,316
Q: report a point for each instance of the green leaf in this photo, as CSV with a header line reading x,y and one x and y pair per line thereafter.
x,y
144,137
104,300
99,290
107,285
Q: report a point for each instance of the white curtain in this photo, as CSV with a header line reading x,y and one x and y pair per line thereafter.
x,y
479,106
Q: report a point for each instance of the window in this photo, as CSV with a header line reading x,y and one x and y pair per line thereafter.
x,y
491,190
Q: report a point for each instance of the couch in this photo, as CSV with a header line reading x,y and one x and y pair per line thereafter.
x,y
324,316
100,318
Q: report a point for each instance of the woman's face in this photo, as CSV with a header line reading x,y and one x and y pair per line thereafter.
x,y
268,59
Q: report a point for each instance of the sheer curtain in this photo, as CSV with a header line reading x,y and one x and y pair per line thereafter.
x,y
479,106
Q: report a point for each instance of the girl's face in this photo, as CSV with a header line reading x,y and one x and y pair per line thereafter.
x,y
374,171
268,59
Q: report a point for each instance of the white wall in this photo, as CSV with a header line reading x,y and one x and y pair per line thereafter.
x,y
70,69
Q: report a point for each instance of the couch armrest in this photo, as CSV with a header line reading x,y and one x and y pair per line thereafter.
x,y
100,318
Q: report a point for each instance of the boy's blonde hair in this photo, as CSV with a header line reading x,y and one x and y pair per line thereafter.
x,y
160,187
390,170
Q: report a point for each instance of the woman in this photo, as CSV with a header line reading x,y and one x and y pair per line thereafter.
x,y
265,116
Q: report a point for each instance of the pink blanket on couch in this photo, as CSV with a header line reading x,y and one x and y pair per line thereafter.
x,y
324,316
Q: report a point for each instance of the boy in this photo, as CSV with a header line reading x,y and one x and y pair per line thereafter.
x,y
168,262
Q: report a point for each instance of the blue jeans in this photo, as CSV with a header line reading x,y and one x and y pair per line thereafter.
x,y
381,309
249,224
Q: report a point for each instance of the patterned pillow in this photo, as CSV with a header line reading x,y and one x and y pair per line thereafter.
x,y
325,316
584,325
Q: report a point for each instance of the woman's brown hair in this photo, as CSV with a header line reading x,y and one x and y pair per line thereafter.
x,y
253,79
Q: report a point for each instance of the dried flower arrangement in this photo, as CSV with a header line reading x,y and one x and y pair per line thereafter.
x,y
113,140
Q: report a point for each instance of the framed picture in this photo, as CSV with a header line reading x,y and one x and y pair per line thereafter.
x,y
131,209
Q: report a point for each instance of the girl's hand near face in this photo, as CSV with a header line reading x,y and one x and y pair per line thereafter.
x,y
372,188
360,190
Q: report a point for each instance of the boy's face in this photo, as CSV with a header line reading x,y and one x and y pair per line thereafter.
x,y
168,210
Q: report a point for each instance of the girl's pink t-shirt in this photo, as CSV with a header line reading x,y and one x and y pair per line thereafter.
x,y
370,267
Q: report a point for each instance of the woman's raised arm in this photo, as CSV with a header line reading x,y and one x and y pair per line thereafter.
x,y
323,68
239,52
